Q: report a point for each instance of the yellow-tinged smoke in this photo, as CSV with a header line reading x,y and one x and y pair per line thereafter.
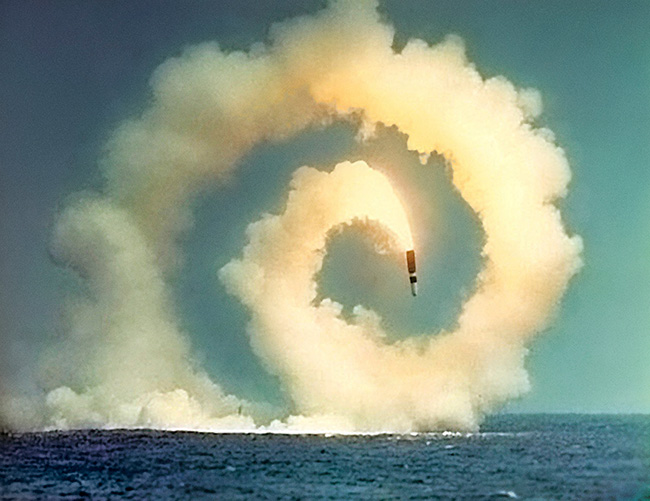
x,y
127,362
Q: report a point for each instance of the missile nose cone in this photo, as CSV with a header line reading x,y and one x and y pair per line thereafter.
x,y
414,288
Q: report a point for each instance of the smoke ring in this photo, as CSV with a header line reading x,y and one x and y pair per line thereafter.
x,y
451,380
210,108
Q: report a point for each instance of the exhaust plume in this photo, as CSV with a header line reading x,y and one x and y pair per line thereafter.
x,y
126,362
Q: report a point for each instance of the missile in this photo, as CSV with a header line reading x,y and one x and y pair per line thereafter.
x,y
410,265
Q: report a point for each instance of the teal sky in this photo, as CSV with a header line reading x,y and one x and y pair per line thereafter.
x,y
70,71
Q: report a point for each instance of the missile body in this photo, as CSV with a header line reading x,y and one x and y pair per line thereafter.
x,y
410,264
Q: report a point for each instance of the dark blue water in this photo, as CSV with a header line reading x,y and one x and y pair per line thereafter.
x,y
540,456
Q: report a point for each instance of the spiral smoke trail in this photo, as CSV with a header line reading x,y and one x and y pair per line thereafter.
x,y
127,363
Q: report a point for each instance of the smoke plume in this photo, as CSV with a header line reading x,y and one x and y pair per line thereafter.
x,y
126,361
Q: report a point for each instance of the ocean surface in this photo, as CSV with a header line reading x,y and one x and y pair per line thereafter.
x,y
513,456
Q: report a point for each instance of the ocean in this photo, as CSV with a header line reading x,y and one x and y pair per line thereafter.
x,y
513,456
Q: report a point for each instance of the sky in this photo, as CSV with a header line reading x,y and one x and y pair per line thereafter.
x,y
72,71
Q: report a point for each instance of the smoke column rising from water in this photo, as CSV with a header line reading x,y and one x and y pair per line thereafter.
x,y
126,362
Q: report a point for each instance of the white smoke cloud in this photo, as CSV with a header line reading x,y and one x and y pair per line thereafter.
x,y
126,362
